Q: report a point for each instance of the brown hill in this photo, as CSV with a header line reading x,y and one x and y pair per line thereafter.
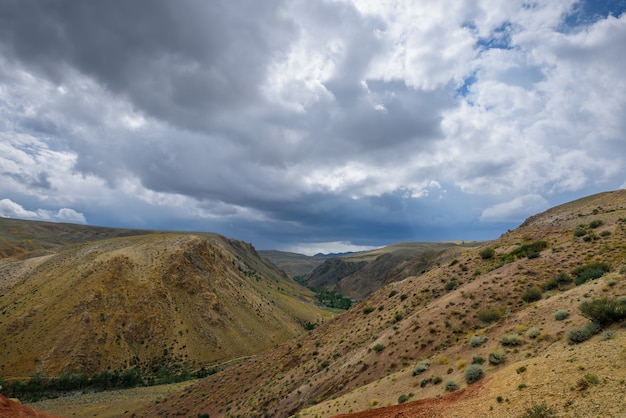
x,y
480,304
357,275
10,408
152,300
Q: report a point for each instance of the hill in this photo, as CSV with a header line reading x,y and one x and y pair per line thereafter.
x,y
79,300
509,309
292,264
357,275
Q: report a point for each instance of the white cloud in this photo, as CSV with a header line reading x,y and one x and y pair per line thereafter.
x,y
516,209
10,209
327,248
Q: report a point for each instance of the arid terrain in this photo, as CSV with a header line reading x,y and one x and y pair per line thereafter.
x,y
489,331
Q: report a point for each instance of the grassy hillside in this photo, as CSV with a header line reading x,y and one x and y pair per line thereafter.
x,y
153,301
291,263
359,274
495,306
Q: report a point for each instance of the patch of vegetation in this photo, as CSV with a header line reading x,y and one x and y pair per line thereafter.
x,y
604,311
556,282
595,223
477,340
580,334
532,332
591,378
378,348
403,398
473,373
368,310
511,340
531,250
451,385
541,410
496,357
491,315
421,367
561,314
487,254
588,272
332,299
532,294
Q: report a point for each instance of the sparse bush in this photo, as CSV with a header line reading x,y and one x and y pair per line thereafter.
x,y
531,295
561,314
451,285
531,250
487,253
511,340
592,327
490,315
592,378
578,335
473,373
496,357
604,311
533,332
608,335
436,380
378,348
520,370
451,385
368,309
561,278
477,360
477,340
393,293
605,233
579,232
421,367
539,411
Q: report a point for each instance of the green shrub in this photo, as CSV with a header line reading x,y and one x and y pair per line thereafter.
x,y
608,335
421,367
403,398
595,223
436,380
531,294
588,272
592,378
451,285
496,357
561,278
487,253
473,373
451,385
368,309
539,411
490,315
561,314
511,340
604,311
477,359
578,335
531,250
605,233
579,232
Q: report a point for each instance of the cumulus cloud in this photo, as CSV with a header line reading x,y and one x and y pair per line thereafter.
x,y
10,209
335,121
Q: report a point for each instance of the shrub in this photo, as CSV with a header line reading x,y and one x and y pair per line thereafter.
x,y
532,332
561,314
473,373
436,380
487,253
368,309
403,398
451,385
561,278
605,233
531,250
476,340
451,285
393,293
539,411
378,348
490,315
477,360
578,335
531,295
595,223
421,367
579,232
588,272
496,357
608,335
592,378
604,311
511,340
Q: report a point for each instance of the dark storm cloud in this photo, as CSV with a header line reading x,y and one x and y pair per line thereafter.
x,y
186,62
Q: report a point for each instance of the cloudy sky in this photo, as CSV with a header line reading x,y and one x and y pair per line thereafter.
x,y
310,125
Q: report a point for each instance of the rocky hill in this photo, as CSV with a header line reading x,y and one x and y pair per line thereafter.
x,y
494,331
116,300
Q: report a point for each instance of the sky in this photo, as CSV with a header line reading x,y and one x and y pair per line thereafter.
x,y
310,125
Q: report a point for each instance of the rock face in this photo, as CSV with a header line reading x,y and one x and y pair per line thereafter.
x,y
10,408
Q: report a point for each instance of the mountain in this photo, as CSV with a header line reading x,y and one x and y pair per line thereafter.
x,y
292,264
83,299
505,317
356,275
